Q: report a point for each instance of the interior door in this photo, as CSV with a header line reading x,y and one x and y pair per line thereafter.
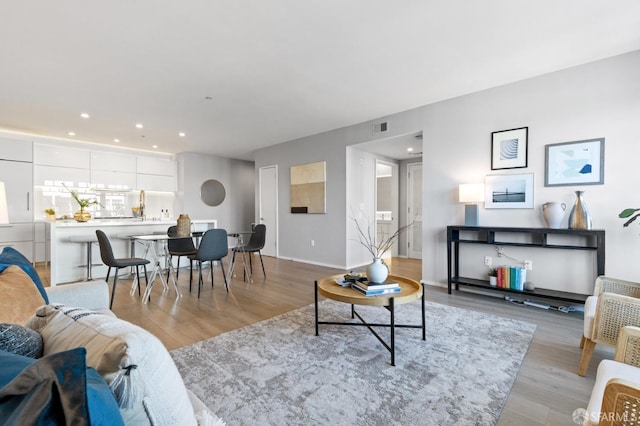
x,y
414,210
268,207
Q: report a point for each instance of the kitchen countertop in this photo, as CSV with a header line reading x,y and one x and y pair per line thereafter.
x,y
119,222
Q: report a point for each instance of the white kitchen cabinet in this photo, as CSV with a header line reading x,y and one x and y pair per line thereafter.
x,y
156,183
155,165
115,180
39,246
114,162
16,150
60,156
18,183
19,236
53,176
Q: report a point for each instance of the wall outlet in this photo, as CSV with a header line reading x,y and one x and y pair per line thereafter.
x,y
528,265
313,243
487,260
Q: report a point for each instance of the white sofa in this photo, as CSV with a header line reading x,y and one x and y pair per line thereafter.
x,y
160,391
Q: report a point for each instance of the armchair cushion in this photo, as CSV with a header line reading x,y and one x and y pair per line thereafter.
x,y
608,370
590,306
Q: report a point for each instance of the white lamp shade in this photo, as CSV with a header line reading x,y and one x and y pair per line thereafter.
x,y
471,192
4,211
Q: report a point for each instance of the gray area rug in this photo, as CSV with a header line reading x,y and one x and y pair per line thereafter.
x,y
277,372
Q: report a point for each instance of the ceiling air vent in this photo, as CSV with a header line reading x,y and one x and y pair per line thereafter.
x,y
380,127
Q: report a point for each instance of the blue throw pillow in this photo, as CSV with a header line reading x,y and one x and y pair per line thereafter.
x,y
11,256
80,392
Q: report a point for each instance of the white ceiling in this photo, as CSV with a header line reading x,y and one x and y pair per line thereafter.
x,y
244,74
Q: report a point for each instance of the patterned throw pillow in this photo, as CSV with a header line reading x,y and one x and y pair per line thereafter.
x,y
20,340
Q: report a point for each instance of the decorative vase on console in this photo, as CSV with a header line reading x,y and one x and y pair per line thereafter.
x,y
579,218
377,271
553,214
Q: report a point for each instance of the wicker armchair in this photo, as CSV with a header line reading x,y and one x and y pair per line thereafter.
x,y
615,304
615,398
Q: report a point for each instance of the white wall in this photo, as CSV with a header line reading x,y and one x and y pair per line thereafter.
x,y
601,99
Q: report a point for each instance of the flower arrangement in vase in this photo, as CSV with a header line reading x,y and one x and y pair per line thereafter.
x,y
82,215
378,270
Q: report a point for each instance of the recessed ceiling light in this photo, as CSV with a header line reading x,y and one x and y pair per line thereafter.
x,y
116,140
72,133
409,149
182,134
139,126
154,146
84,115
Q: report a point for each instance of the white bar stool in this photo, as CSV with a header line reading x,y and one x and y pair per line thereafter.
x,y
89,240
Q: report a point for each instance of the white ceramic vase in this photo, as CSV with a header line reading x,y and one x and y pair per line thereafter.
x,y
553,214
377,271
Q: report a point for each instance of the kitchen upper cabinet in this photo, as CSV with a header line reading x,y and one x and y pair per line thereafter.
x,y
155,165
115,180
18,183
16,150
113,162
60,156
54,176
156,183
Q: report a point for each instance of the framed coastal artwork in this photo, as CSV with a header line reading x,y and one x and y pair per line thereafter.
x,y
574,163
509,148
508,191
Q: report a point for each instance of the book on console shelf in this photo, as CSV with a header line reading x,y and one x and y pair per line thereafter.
x,y
511,277
375,291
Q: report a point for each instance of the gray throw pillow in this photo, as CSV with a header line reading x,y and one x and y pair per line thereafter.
x,y
20,340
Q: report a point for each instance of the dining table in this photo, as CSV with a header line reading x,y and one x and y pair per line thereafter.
x,y
152,243
240,237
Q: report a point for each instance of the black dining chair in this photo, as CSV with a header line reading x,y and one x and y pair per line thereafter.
x,y
213,247
255,244
106,253
179,247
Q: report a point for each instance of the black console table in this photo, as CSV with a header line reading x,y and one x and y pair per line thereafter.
x,y
592,240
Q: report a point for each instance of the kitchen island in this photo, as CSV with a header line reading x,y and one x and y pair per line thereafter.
x,y
68,258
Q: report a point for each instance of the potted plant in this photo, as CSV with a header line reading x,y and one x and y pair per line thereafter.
x,y
51,214
493,276
626,213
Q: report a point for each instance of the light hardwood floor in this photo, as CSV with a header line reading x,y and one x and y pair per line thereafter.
x,y
547,389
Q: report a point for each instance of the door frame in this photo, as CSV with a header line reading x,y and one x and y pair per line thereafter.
x,y
274,233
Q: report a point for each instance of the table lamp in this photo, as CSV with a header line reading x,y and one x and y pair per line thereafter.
x,y
4,211
471,194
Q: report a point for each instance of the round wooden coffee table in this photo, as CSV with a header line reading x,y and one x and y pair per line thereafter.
x,y
410,290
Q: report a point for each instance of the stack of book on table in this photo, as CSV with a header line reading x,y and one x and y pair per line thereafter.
x,y
375,289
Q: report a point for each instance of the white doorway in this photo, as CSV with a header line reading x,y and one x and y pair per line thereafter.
x,y
386,203
268,207
414,210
